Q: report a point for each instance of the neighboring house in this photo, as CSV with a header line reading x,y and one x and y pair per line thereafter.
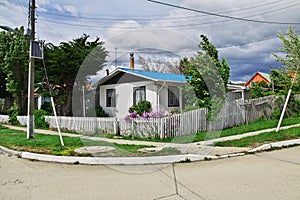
x,y
259,77
236,91
125,87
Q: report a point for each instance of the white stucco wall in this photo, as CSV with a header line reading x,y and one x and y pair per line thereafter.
x,y
124,97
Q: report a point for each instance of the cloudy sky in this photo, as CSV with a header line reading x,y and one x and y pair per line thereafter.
x,y
244,31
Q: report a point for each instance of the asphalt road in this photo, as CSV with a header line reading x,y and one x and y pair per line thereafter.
x,y
268,175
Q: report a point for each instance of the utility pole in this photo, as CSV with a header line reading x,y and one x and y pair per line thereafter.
x,y
30,120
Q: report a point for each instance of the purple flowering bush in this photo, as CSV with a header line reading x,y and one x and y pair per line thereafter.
x,y
151,124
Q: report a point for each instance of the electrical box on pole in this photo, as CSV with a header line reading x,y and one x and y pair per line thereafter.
x,y
36,49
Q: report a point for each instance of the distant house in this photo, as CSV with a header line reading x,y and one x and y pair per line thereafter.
x,y
259,77
236,91
125,87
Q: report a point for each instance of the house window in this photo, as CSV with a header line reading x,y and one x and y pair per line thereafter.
x,y
173,96
139,94
110,98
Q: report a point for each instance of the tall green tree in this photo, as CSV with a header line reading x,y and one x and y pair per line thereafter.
x,y
291,50
4,48
212,52
207,76
70,61
14,66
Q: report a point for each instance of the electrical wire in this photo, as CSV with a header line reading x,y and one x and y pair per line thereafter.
x,y
149,19
169,26
224,16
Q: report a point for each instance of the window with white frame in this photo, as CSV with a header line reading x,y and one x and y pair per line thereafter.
x,y
110,98
173,96
139,94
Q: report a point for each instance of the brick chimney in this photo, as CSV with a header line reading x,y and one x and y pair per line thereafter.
x,y
131,61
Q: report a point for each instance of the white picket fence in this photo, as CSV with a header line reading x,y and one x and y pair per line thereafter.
x,y
186,123
232,114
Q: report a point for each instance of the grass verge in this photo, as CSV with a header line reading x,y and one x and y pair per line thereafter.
x,y
49,144
257,140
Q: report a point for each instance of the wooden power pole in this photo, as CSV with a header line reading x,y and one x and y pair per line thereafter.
x,y
30,120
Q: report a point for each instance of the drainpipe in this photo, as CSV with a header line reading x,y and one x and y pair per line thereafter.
x,y
163,85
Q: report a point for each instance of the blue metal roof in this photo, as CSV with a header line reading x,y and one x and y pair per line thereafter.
x,y
156,76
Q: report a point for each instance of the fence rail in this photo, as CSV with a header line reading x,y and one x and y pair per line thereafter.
x,y
232,114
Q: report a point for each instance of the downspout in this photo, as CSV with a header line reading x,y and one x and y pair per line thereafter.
x,y
157,106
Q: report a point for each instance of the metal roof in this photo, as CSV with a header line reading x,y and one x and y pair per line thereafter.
x,y
154,76
266,76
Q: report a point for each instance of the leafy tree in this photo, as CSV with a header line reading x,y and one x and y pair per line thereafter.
x,y
260,89
207,77
291,49
281,81
5,39
222,65
70,61
14,66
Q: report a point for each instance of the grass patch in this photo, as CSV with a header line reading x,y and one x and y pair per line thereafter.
x,y
49,144
201,136
167,151
256,140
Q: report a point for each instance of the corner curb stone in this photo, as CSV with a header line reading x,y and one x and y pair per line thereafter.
x,y
138,160
275,144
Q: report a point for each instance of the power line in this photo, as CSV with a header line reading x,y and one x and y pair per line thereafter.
x,y
149,19
165,26
223,16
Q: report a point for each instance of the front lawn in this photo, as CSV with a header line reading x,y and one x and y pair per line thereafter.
x,y
252,141
49,144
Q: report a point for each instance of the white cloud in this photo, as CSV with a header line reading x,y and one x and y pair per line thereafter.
x,y
12,15
58,7
71,9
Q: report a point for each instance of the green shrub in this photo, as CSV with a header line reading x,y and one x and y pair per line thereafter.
x,y
190,108
47,107
39,119
100,112
275,114
13,113
141,107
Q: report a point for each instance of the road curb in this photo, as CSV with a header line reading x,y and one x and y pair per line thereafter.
x,y
11,152
275,145
183,158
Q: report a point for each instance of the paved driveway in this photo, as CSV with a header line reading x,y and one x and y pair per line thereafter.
x,y
269,175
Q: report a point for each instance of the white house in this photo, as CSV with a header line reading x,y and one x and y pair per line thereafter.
x,y
125,87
